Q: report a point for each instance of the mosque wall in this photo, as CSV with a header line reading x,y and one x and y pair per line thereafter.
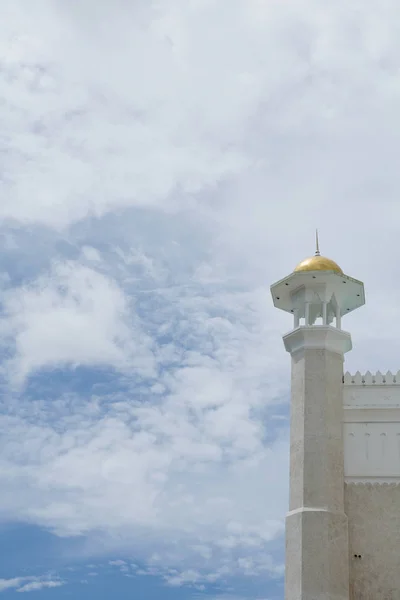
x,y
371,435
373,511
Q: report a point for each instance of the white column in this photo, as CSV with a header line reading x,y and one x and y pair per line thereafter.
x,y
296,318
324,313
317,555
307,314
338,317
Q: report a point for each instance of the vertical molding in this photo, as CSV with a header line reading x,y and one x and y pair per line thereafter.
x,y
367,442
383,445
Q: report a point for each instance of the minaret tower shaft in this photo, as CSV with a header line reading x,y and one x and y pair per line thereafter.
x,y
317,294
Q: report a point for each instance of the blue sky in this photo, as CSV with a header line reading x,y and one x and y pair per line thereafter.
x,y
162,164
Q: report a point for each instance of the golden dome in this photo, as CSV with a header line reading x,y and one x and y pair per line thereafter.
x,y
318,263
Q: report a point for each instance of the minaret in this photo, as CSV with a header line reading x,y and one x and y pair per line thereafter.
x,y
317,294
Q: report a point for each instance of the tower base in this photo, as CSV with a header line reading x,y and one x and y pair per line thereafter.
x,y
317,562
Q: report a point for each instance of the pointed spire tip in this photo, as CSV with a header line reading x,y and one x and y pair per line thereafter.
x,y
317,253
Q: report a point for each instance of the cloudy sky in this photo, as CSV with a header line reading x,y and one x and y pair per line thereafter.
x,y
162,163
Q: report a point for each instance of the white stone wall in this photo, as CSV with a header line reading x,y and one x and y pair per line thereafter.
x,y
373,512
371,427
371,434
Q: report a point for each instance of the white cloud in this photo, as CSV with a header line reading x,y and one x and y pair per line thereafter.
x,y
91,254
29,584
184,464
157,130
98,130
34,586
73,316
6,584
185,152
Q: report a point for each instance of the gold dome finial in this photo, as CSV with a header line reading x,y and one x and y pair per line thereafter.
x,y
318,262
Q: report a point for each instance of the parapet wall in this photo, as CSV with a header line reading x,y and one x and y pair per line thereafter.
x,y
371,427
369,378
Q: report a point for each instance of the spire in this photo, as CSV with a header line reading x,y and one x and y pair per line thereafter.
x,y
318,262
317,252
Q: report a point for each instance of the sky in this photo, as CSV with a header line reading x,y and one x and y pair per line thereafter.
x,y
162,164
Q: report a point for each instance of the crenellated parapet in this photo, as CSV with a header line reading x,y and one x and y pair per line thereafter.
x,y
371,484
369,378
